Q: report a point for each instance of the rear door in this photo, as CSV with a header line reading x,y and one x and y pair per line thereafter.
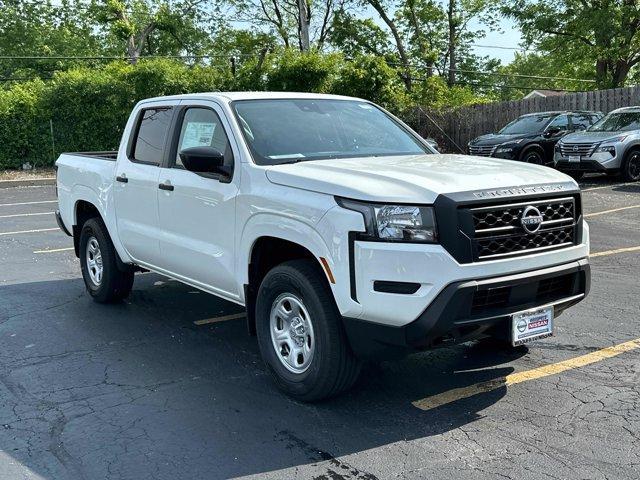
x,y
136,183
197,210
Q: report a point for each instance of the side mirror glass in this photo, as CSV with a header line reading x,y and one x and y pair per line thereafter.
x,y
202,160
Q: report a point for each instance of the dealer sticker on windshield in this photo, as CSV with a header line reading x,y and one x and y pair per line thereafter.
x,y
531,325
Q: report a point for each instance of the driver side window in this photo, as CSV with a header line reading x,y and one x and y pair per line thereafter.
x,y
561,122
201,127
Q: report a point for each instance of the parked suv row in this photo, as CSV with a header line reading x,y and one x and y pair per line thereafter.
x,y
531,138
611,146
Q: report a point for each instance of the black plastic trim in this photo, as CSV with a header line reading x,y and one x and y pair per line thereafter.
x,y
400,288
61,224
448,319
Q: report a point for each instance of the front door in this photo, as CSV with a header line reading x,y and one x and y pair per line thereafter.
x,y
136,184
197,211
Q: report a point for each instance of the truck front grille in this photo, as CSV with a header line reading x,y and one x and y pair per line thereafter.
x,y
577,149
498,230
482,151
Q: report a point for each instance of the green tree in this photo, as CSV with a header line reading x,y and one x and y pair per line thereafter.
x,y
605,33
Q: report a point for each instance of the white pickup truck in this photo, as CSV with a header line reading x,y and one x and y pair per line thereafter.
x,y
342,232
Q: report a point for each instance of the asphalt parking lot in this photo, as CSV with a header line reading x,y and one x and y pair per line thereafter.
x,y
168,385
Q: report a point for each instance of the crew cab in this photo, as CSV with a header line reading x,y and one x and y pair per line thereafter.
x,y
341,231
611,146
531,138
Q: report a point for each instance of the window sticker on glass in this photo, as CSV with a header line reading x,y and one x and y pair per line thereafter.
x,y
289,155
198,134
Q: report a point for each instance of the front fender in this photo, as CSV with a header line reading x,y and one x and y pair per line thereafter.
x,y
296,231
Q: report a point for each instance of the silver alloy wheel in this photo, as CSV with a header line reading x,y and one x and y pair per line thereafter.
x,y
292,334
94,261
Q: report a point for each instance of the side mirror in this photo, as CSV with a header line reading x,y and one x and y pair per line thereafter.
x,y
552,132
202,160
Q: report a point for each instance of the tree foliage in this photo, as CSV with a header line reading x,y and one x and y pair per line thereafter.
x,y
603,34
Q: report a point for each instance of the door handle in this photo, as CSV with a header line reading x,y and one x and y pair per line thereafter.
x,y
166,186
122,178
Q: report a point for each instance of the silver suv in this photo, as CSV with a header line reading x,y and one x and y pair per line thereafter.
x,y
611,145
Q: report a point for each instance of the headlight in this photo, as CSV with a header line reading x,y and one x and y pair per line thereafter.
x,y
607,149
395,223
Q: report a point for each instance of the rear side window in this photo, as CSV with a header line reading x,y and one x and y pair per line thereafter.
x,y
581,121
151,135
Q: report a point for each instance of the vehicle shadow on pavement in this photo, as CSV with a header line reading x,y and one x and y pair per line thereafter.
x,y
137,390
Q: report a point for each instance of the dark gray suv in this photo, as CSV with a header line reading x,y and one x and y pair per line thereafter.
x,y
611,145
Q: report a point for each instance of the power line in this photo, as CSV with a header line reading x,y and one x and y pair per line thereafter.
x,y
500,47
483,72
116,57
535,77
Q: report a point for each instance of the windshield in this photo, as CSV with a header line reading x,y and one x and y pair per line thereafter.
x,y
293,130
527,124
617,122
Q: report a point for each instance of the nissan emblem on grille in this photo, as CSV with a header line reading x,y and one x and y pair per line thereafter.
x,y
531,219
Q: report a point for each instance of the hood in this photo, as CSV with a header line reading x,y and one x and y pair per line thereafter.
x,y
497,139
591,137
410,178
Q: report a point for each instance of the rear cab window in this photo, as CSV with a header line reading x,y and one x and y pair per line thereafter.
x,y
150,137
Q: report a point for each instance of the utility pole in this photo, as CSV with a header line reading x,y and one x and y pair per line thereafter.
x,y
303,21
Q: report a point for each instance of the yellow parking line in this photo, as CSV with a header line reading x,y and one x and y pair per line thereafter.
x,y
206,321
25,214
519,377
29,231
613,252
54,250
594,214
27,203
608,186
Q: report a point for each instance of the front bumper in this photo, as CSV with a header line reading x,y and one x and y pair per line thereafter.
x,y
596,163
468,310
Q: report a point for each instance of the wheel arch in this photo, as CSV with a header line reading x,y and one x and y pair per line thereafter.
x,y
533,146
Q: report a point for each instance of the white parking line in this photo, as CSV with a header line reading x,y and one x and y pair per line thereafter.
x,y
29,231
54,250
27,203
26,214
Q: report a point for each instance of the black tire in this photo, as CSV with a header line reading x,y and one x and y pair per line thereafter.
x,y
631,167
333,368
576,175
533,155
114,284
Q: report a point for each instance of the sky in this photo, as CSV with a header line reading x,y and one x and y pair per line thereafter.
x,y
509,38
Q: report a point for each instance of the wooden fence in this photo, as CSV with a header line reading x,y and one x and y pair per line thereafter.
x,y
456,127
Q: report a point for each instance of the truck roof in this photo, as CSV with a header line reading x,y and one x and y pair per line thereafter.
x,y
231,96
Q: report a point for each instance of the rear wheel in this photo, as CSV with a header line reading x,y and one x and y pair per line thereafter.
x,y
105,282
631,167
300,333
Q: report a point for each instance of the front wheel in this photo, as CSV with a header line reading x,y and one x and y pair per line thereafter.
x,y
533,156
300,333
631,167
105,282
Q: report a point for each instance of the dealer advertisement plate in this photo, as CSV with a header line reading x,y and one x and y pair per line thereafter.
x,y
531,325
574,159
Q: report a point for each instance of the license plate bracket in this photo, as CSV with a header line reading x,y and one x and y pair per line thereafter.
x,y
531,325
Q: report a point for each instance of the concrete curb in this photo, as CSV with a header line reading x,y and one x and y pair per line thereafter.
x,y
28,182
